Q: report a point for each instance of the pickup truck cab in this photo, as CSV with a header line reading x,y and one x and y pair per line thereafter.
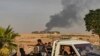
x,y
77,47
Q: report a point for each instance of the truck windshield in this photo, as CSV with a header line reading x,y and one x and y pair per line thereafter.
x,y
86,50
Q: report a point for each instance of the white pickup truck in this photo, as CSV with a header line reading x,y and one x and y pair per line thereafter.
x,y
78,47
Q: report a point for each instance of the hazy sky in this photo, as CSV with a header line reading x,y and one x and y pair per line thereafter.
x,y
29,15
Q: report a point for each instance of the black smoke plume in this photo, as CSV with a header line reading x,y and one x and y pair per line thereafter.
x,y
71,13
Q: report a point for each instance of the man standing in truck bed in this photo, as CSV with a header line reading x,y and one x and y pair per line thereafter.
x,y
49,49
40,49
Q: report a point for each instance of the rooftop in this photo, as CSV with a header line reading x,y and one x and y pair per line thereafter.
x,y
72,42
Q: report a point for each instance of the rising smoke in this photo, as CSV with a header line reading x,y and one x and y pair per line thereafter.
x,y
71,13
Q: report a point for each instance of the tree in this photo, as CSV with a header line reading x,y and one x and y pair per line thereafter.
x,y
92,22
6,41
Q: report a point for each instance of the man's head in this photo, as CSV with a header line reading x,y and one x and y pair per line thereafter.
x,y
39,41
49,43
67,48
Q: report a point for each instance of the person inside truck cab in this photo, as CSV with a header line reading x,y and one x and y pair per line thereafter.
x,y
68,51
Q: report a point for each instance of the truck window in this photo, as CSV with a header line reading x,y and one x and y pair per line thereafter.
x,y
86,50
66,50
